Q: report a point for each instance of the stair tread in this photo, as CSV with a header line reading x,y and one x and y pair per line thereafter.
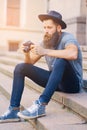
x,y
9,61
78,99
55,117
14,126
55,112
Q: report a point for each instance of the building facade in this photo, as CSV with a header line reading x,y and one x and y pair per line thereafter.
x,y
19,20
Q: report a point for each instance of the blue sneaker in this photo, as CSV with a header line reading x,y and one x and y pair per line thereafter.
x,y
10,115
35,111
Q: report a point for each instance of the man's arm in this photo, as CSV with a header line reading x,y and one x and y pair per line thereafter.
x,y
69,53
29,57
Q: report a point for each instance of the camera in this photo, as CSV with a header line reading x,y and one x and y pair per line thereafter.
x,y
27,46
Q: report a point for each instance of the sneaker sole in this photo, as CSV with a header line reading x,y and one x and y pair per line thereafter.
x,y
27,117
10,120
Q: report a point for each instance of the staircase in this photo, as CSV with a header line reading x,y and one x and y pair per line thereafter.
x,y
64,112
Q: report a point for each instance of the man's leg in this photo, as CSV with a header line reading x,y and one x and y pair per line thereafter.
x,y
63,78
36,74
38,109
70,82
54,83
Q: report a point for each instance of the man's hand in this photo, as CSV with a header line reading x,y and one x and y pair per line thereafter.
x,y
25,47
38,50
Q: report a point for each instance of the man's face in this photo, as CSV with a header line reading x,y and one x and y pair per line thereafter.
x,y
50,33
49,27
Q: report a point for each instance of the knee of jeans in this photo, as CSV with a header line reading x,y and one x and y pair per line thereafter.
x,y
60,62
20,68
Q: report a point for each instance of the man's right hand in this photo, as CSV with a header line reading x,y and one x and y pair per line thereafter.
x,y
27,46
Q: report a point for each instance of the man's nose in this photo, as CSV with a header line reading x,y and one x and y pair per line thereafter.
x,y
46,30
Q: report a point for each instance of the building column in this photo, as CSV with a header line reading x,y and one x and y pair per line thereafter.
x,y
48,5
23,13
3,12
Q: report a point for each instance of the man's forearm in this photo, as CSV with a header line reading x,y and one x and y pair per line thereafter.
x,y
31,58
66,54
27,58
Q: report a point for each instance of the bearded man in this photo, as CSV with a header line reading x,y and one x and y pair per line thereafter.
x,y
63,56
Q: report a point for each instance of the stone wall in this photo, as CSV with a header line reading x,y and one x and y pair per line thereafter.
x,y
77,26
74,14
73,11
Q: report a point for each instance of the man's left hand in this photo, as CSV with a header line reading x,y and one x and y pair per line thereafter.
x,y
38,50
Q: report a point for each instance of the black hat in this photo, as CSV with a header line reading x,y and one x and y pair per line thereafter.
x,y
57,17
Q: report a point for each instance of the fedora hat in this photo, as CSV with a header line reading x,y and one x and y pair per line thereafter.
x,y
57,17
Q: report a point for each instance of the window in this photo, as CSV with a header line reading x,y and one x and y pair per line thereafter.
x,y
13,45
13,12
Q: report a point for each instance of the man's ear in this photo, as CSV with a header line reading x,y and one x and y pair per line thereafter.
x,y
59,28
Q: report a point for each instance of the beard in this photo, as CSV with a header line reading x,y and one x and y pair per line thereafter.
x,y
50,41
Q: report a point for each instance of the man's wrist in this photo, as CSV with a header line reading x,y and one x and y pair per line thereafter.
x,y
26,54
46,51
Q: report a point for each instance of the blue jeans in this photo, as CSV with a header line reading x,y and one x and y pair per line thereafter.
x,y
62,78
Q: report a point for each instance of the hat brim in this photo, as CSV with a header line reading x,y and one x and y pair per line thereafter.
x,y
43,17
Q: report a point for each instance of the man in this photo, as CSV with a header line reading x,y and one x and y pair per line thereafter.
x,y
64,59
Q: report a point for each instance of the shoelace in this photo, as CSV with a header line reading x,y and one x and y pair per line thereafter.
x,y
33,108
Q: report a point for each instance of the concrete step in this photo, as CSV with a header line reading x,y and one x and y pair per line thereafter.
x,y
16,55
85,66
14,126
20,56
9,61
13,58
56,115
83,48
76,102
84,55
8,69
